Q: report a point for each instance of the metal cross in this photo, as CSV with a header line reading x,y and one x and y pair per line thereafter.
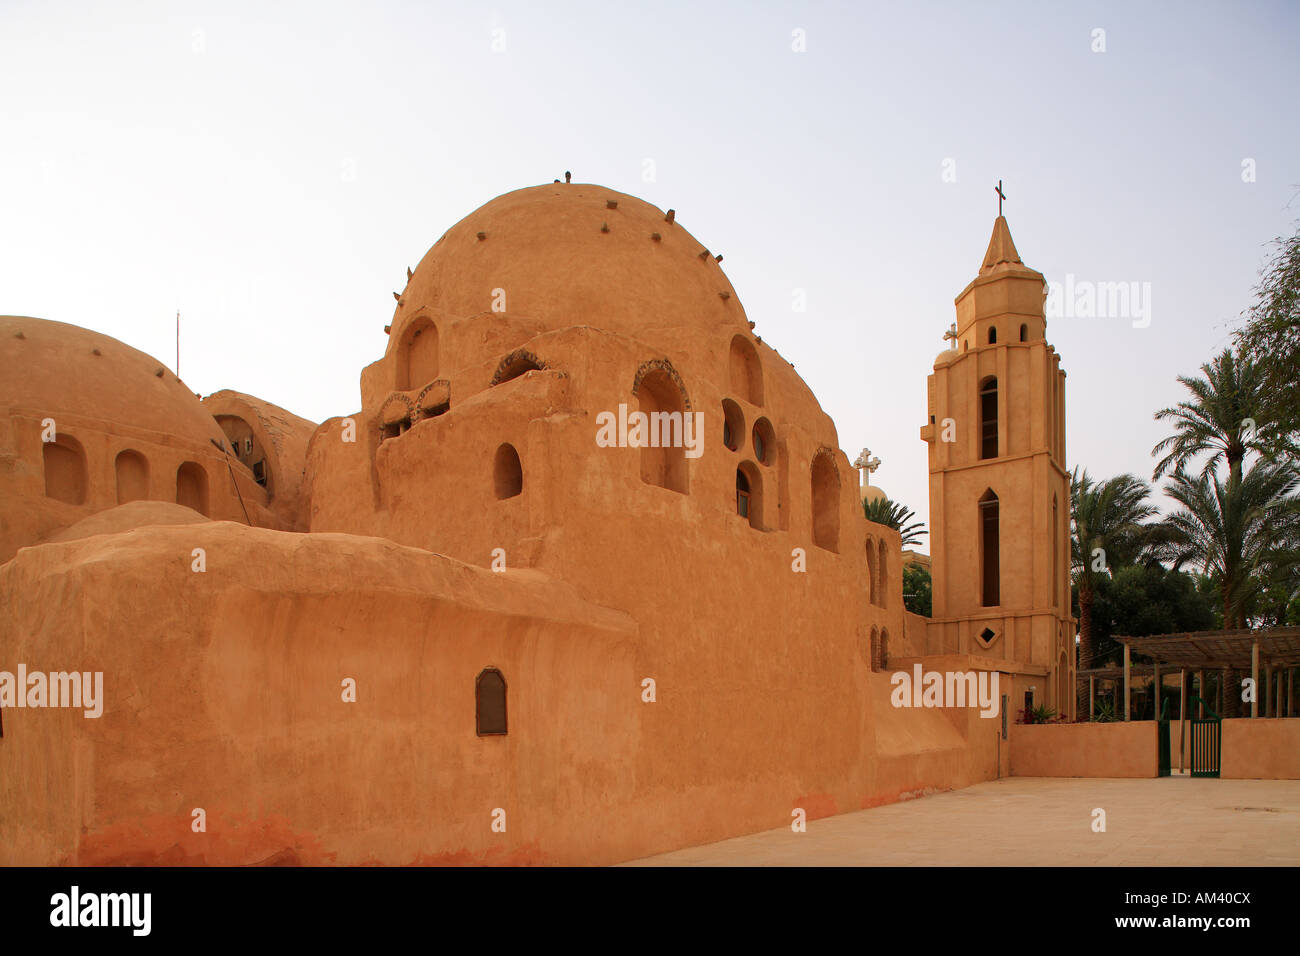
x,y
951,334
1001,196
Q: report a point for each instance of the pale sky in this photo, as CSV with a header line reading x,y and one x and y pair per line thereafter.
x,y
271,170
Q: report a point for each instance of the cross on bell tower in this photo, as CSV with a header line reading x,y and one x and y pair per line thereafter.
x,y
1001,196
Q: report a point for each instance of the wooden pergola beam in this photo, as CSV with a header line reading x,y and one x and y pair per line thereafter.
x,y
1182,715
1254,678
1127,705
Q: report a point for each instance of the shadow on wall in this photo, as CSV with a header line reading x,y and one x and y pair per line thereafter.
x,y
192,487
65,470
132,472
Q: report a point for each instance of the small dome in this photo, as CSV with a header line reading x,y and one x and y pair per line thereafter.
x,y
945,357
127,517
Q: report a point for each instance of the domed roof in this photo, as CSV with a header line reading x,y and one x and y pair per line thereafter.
x,y
946,357
52,367
565,255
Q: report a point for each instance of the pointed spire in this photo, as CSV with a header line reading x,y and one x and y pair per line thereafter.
x,y
1001,248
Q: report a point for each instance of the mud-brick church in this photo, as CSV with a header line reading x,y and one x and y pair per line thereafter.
x,y
449,626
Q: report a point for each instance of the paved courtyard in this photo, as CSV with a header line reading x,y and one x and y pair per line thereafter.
x,y
1041,821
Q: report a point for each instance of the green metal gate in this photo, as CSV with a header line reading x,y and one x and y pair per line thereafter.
x,y
1207,742
1162,739
1207,739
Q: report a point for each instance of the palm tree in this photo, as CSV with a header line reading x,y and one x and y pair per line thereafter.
x,y
895,515
1271,334
1107,530
1243,533
1238,529
1225,400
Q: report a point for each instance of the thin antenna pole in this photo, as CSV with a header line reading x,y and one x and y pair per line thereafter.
x,y
178,343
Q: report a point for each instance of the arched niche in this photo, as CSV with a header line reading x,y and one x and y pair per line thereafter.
x,y
733,425
192,487
882,557
417,355
825,501
132,472
764,440
746,370
873,584
64,462
664,402
507,472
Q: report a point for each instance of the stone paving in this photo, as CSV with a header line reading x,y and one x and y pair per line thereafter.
x,y
1041,821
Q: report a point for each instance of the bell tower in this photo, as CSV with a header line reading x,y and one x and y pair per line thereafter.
x,y
999,488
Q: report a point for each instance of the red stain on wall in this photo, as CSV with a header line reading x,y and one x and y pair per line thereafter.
x,y
530,854
228,841
817,805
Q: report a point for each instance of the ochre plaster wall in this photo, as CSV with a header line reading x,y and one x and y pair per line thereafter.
x,y
1124,749
1265,748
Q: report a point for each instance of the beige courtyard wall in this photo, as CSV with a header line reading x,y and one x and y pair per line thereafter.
x,y
1084,750
1261,749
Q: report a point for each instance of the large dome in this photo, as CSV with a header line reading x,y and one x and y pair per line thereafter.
x,y
565,255
52,367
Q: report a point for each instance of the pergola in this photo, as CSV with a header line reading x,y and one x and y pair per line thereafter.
x,y
1275,650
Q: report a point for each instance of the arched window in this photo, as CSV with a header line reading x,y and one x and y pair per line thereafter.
x,y
990,573
733,424
746,371
871,571
884,648
989,418
1024,333
749,494
132,476
663,458
417,358
490,703
884,573
434,400
825,501
875,649
507,472
515,364
396,416
65,470
993,335
192,487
